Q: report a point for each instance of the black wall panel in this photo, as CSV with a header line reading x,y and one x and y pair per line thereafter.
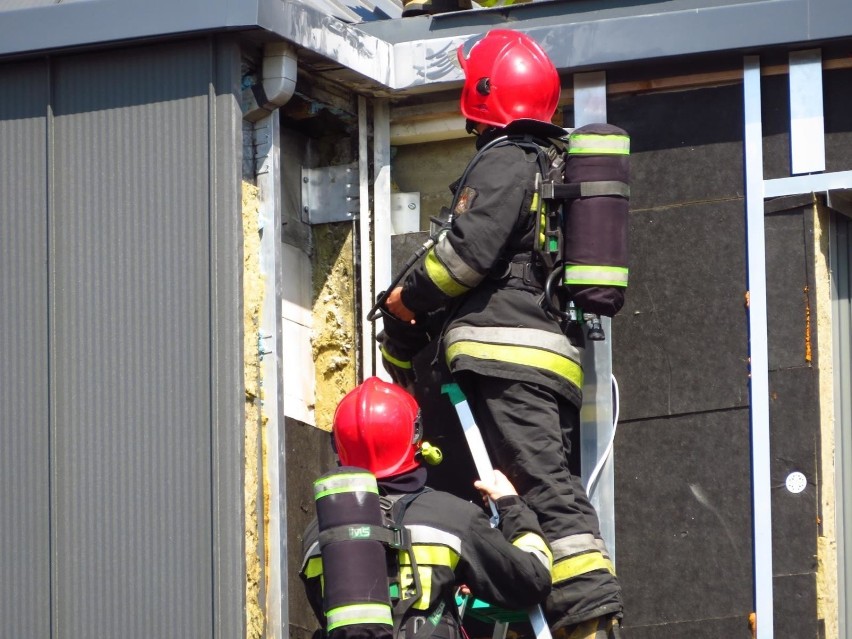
x,y
680,342
680,354
683,519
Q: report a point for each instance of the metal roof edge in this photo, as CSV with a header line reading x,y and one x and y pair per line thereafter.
x,y
416,54
577,45
93,22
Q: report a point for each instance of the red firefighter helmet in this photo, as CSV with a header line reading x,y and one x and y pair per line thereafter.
x,y
377,427
508,77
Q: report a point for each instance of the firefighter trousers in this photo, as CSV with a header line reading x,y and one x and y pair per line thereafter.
x,y
528,431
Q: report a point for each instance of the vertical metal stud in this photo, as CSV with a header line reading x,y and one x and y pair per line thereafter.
x,y
596,423
382,209
758,350
268,163
365,221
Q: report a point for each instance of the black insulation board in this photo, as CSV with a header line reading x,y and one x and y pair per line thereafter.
x,y
681,357
795,608
794,421
683,519
680,342
791,310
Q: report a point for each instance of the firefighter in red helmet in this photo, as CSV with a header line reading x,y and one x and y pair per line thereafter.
x,y
520,372
377,428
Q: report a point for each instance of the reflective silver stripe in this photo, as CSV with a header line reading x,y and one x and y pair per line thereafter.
x,y
358,613
596,275
535,545
576,544
531,337
604,187
458,268
428,535
312,551
601,544
544,559
595,144
345,483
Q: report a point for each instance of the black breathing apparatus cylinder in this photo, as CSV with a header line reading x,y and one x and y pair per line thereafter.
x,y
582,224
353,540
595,223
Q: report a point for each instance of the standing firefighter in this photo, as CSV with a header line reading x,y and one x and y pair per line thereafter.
x,y
513,360
405,584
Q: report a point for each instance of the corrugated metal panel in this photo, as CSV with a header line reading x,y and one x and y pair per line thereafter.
x,y
24,435
120,389
131,329
841,320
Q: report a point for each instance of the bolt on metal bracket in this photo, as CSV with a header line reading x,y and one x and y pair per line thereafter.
x,y
330,194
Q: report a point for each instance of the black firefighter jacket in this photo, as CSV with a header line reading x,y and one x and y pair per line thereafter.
x,y
496,324
454,543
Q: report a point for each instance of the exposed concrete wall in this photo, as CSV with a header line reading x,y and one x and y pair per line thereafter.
x,y
430,168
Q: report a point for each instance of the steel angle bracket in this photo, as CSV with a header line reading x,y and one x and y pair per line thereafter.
x,y
330,194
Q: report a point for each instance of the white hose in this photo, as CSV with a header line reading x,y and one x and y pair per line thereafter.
x,y
593,478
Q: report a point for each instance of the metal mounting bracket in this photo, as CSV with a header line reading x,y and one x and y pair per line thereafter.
x,y
330,194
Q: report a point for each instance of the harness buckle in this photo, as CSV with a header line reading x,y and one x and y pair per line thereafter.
x,y
400,537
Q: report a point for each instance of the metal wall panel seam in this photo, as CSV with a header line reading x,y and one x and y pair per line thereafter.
x,y
50,339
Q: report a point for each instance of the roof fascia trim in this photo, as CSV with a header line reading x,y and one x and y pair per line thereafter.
x,y
327,36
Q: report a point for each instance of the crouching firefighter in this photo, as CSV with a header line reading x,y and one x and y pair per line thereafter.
x,y
386,555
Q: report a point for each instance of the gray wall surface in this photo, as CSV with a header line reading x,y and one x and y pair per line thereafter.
x,y
120,400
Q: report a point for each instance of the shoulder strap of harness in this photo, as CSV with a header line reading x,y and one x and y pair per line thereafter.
x,y
395,507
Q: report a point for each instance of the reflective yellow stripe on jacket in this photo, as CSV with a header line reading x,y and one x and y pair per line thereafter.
x,y
449,272
524,346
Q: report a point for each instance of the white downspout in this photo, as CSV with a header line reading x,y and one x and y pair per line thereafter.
x,y
278,86
278,74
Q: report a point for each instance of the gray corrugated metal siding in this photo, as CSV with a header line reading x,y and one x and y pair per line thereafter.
x,y
112,278
24,409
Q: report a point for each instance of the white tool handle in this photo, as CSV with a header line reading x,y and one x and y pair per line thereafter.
x,y
486,471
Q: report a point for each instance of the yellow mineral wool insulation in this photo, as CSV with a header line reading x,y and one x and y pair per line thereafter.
x,y
333,340
253,287
827,540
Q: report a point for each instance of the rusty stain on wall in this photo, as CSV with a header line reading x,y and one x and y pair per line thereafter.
x,y
333,340
253,287
808,346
